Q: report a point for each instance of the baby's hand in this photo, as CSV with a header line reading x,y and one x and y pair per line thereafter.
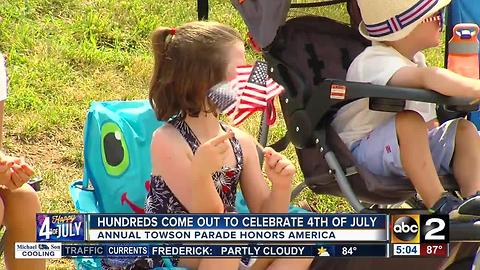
x,y
278,168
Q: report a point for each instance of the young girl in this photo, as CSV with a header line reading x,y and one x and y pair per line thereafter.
x,y
18,201
197,161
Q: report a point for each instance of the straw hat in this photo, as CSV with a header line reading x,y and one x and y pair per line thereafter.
x,y
389,20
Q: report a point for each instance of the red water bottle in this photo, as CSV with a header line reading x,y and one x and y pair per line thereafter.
x,y
463,50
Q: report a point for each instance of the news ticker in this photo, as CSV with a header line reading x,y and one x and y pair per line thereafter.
x,y
56,250
243,228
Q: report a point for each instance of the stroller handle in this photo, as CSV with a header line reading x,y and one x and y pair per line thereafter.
x,y
459,231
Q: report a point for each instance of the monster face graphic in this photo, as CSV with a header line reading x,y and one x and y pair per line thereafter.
x,y
117,169
114,149
115,159
117,154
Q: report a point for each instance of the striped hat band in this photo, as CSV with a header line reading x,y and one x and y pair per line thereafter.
x,y
402,20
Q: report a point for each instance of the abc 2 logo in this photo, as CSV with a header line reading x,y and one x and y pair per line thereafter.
x,y
415,229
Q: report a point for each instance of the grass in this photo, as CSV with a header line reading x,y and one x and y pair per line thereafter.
x,y
64,54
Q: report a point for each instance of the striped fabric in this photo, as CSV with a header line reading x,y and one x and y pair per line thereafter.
x,y
437,18
402,20
256,92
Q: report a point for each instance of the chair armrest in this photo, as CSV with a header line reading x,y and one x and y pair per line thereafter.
x,y
359,90
35,183
320,101
313,110
307,108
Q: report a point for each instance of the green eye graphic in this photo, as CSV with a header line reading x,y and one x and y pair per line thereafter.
x,y
114,149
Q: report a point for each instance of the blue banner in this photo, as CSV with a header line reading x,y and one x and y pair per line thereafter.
x,y
252,250
238,221
102,250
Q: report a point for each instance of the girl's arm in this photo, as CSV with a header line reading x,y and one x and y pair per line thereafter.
x,y
3,94
2,106
259,198
193,186
437,79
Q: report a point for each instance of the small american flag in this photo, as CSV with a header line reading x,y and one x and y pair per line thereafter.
x,y
338,91
255,91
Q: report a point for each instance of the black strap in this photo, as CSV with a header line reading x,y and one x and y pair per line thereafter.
x,y
202,9
316,4
281,144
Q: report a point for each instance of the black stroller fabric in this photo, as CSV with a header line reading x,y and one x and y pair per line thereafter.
x,y
316,48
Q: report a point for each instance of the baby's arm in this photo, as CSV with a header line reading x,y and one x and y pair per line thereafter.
x,y
437,79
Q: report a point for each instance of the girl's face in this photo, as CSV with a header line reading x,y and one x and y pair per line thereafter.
x,y
222,96
235,58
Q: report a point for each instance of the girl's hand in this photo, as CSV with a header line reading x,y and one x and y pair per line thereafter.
x,y
278,168
6,174
210,156
14,172
21,173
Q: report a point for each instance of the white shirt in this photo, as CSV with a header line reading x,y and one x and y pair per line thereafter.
x,y
3,79
376,65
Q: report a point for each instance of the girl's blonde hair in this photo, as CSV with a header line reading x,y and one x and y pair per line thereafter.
x,y
188,61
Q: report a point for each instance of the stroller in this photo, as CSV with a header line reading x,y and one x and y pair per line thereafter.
x,y
309,56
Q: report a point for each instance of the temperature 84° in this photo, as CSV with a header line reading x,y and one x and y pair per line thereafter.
x,y
348,251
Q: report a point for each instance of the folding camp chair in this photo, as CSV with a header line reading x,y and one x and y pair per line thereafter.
x,y
117,168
